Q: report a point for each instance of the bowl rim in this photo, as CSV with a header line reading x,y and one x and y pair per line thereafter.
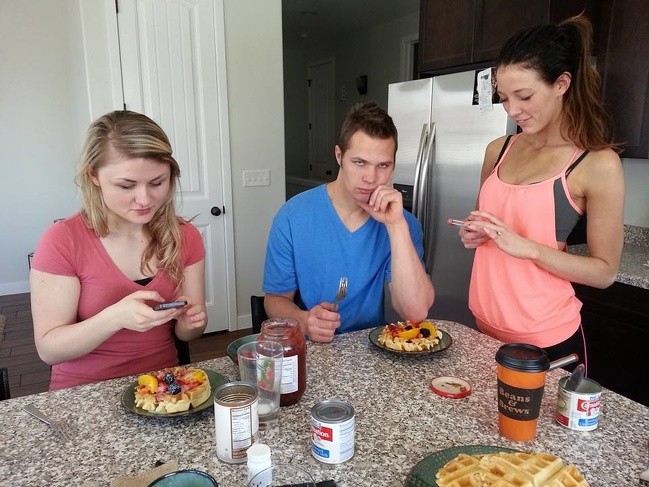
x,y
184,470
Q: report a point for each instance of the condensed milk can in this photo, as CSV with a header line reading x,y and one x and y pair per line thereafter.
x,y
333,426
578,410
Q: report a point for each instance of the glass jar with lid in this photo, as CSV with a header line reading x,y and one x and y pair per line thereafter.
x,y
287,332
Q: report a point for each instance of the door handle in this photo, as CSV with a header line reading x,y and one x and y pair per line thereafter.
x,y
216,211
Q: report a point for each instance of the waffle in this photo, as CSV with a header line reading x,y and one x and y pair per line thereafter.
x,y
509,470
519,469
462,471
568,476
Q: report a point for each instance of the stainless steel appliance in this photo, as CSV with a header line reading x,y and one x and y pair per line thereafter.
x,y
443,133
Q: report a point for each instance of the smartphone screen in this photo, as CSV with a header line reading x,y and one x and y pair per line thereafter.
x,y
172,304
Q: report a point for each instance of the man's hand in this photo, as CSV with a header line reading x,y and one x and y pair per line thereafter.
x,y
385,205
322,322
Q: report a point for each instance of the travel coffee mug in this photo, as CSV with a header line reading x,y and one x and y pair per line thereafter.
x,y
521,378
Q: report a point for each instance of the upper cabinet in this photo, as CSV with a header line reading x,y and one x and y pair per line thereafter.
x,y
623,60
467,34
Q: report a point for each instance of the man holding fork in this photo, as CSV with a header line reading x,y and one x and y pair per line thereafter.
x,y
353,227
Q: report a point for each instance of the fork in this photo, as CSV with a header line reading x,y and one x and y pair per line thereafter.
x,y
59,427
342,292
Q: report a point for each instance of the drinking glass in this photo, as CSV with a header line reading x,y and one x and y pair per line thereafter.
x,y
260,362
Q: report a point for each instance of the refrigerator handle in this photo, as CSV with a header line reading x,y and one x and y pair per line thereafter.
x,y
417,190
427,203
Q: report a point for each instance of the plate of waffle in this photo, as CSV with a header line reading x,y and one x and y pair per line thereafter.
x,y
491,466
411,338
188,399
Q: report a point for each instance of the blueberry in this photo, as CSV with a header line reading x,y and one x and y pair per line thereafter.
x,y
173,388
425,332
169,378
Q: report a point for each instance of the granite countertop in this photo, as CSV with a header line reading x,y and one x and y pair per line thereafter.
x,y
399,422
634,265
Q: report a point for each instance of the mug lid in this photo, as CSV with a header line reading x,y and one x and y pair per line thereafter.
x,y
523,357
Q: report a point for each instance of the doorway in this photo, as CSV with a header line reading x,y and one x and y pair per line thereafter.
x,y
322,163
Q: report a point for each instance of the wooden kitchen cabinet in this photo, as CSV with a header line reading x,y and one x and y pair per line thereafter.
x,y
623,60
467,34
616,326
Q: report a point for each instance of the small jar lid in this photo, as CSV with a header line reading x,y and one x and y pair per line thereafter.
x,y
449,386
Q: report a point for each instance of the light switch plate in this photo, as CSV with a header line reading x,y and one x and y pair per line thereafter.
x,y
257,177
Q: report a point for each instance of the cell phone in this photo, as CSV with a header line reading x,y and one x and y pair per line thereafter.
x,y
170,305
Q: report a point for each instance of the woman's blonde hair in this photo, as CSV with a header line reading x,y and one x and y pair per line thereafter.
x,y
133,135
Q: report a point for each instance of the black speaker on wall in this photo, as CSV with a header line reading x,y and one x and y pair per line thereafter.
x,y
361,84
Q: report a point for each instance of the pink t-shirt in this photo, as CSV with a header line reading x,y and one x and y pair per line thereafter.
x,y
514,300
70,248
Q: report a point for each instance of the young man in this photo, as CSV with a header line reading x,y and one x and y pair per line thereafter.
x,y
353,227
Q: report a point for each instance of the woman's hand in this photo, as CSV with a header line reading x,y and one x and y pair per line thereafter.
x,y
192,316
134,312
471,237
495,229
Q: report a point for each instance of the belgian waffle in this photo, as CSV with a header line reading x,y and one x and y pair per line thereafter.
x,y
568,476
462,471
519,469
509,470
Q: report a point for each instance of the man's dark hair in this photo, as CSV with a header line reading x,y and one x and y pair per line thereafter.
x,y
370,118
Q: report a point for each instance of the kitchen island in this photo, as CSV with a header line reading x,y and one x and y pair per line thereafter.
x,y
399,421
616,319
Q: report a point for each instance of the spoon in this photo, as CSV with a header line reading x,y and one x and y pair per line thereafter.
x,y
560,362
572,384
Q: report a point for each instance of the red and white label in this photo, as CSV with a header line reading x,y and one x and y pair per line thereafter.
x,y
587,406
324,433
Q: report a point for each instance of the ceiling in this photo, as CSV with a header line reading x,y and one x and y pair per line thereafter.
x,y
308,21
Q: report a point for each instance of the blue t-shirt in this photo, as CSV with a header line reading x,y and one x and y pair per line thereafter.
x,y
309,249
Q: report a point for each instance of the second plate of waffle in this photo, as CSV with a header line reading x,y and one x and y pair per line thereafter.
x,y
424,473
490,466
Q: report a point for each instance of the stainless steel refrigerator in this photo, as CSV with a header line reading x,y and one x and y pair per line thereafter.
x,y
444,127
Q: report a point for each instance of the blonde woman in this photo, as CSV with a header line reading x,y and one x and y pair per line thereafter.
x,y
97,275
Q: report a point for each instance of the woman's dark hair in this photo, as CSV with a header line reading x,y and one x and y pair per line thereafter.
x,y
370,118
552,50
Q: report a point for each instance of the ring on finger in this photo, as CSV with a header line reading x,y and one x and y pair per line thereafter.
x,y
499,233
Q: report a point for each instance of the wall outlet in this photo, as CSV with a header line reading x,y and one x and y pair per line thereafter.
x,y
257,177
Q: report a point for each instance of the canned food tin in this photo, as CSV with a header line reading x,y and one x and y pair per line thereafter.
x,y
332,431
236,421
579,410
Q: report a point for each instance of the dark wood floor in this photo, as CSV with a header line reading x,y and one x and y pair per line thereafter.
x,y
28,374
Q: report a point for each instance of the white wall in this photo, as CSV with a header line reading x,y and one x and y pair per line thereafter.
x,y
636,179
253,32
375,52
43,117
45,113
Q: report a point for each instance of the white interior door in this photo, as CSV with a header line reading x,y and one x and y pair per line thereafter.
x,y
173,70
322,162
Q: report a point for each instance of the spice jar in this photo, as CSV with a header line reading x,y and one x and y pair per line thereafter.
x,y
287,332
